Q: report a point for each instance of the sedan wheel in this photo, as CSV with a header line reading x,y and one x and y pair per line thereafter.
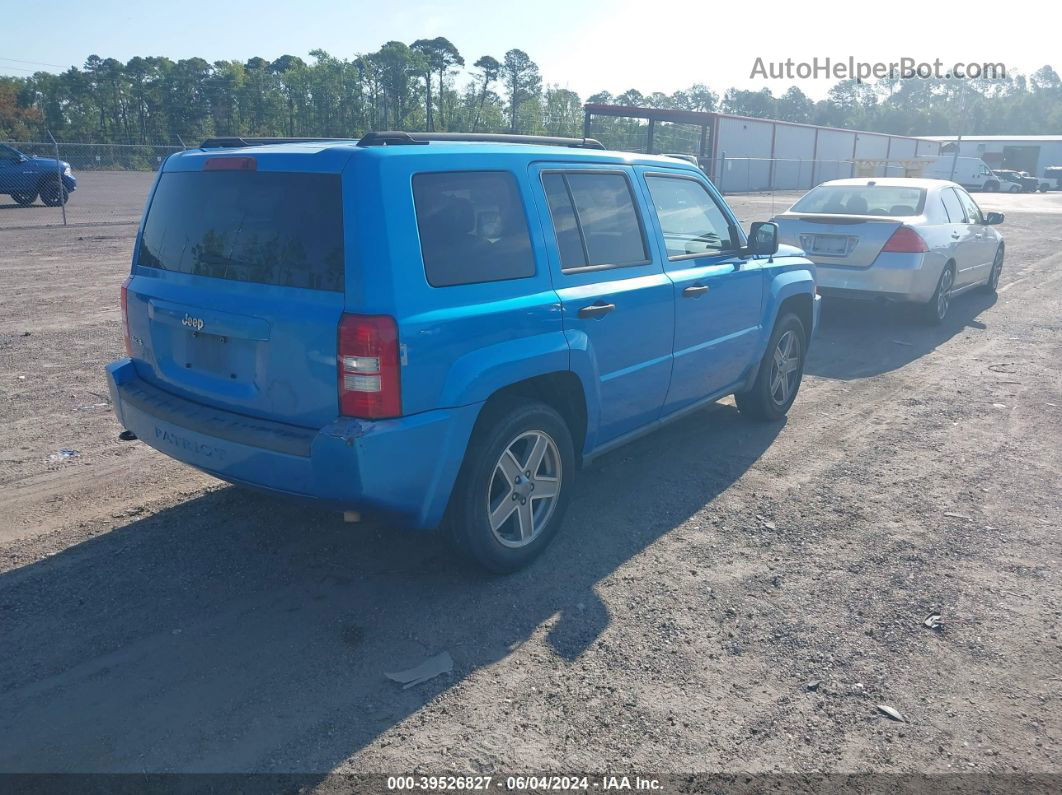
x,y
937,308
997,269
25,199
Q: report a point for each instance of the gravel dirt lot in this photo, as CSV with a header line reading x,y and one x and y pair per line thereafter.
x,y
154,619
102,197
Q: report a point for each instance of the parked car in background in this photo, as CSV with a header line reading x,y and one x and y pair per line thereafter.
x,y
972,173
1026,182
439,328
26,177
1041,184
1053,177
1010,181
914,240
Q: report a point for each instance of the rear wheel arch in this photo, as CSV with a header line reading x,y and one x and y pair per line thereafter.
x,y
562,391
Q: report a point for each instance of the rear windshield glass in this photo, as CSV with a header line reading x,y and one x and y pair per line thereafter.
x,y
862,200
268,227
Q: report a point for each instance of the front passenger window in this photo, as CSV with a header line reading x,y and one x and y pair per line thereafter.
x,y
690,220
973,212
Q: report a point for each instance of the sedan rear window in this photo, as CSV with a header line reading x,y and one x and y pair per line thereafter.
x,y
249,226
887,200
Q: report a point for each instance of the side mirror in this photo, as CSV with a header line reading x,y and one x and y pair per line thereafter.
x,y
763,239
994,218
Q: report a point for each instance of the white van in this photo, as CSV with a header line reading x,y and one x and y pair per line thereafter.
x,y
972,173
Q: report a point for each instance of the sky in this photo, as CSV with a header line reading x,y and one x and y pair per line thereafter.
x,y
585,45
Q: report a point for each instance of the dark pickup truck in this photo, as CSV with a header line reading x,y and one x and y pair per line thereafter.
x,y
25,178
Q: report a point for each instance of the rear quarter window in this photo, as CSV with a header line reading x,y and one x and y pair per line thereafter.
x,y
268,227
472,227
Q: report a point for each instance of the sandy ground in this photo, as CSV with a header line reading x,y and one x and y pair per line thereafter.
x,y
154,619
102,197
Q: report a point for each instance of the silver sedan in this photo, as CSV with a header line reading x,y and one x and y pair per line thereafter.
x,y
915,240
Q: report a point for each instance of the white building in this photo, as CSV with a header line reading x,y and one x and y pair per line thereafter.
x,y
1032,153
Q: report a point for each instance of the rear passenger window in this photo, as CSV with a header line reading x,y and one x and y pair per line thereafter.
x,y
595,219
952,206
472,227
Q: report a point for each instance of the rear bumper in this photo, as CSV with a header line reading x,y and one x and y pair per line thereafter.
x,y
403,468
894,277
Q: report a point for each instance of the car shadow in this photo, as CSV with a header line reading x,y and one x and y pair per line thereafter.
x,y
237,632
859,339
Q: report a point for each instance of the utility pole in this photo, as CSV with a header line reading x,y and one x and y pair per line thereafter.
x,y
962,125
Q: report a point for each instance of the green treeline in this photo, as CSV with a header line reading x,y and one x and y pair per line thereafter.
x,y
430,85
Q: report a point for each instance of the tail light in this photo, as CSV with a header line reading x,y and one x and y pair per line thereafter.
x,y
125,316
905,240
368,367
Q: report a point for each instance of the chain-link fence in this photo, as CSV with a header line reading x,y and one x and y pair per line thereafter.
x,y
47,184
108,183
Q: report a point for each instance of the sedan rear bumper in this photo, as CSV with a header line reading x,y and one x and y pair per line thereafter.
x,y
892,277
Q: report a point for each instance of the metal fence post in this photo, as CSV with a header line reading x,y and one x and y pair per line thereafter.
x,y
59,176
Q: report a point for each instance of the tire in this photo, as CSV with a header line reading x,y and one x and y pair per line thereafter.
x,y
25,199
1043,189
1014,189
772,393
992,284
991,187
494,484
936,308
54,194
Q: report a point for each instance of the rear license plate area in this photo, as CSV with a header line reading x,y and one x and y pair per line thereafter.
x,y
209,353
830,245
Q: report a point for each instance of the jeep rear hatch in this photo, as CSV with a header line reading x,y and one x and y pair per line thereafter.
x,y
237,287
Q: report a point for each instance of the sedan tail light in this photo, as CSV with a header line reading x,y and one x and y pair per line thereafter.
x,y
905,240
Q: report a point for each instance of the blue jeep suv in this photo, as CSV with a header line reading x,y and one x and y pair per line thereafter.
x,y
25,178
440,329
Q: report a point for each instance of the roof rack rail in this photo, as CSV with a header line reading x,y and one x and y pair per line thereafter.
x,y
235,140
400,138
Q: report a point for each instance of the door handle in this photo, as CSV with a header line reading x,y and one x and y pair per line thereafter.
x,y
599,309
695,291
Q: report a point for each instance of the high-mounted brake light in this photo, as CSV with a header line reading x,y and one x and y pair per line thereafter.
x,y
905,240
231,164
125,315
368,367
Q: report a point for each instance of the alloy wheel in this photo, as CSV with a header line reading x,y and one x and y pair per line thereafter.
x,y
524,489
785,369
997,269
947,279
